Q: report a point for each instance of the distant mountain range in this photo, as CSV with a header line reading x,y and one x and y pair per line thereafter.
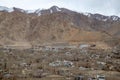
x,y
55,9
56,25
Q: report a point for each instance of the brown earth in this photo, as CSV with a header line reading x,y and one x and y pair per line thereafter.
x,y
56,27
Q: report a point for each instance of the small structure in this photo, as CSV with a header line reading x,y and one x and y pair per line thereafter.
x,y
92,78
100,77
84,68
68,63
82,46
56,63
80,77
61,63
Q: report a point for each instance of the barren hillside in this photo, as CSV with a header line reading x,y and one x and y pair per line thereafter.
x,y
62,25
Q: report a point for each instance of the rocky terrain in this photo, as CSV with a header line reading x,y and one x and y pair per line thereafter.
x,y
65,64
58,44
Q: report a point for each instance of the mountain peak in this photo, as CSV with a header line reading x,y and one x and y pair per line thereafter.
x,y
18,9
2,8
54,6
55,9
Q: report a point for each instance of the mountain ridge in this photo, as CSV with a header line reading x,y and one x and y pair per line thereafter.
x,y
54,9
58,25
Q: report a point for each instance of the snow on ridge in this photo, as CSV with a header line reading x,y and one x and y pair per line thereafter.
x,y
87,14
102,17
58,9
6,9
115,18
37,11
30,11
2,8
21,10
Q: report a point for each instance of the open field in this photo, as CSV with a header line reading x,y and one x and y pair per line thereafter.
x,y
29,64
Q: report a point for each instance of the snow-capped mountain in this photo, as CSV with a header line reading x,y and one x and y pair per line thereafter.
x,y
6,9
102,17
51,10
55,24
2,8
55,9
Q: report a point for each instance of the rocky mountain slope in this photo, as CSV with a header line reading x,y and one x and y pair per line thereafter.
x,y
55,25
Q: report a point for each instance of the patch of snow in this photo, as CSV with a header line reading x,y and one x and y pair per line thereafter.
x,y
58,9
87,14
10,10
98,18
6,9
30,11
22,10
115,18
51,11
101,18
39,14
105,19
38,10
